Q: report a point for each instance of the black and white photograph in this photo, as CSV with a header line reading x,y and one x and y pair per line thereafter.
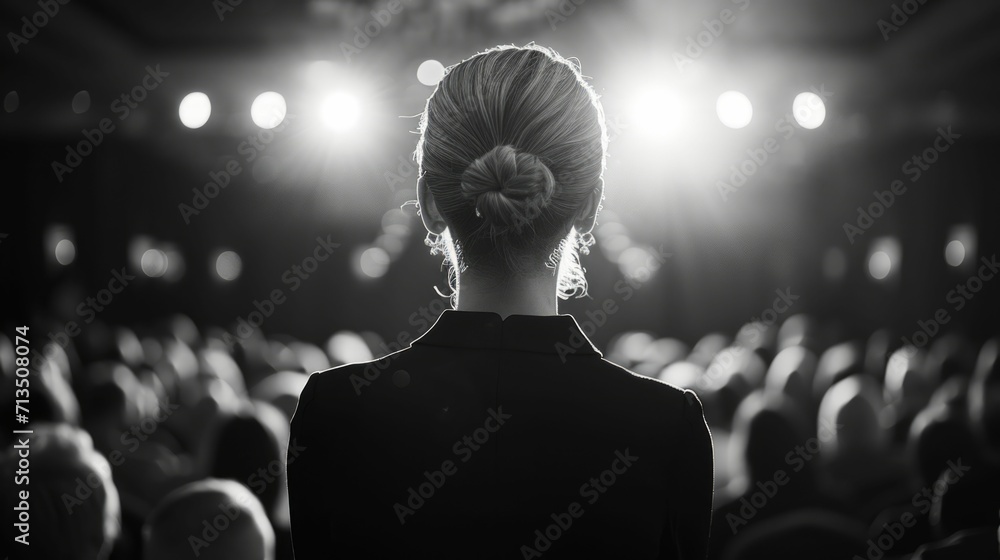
x,y
500,279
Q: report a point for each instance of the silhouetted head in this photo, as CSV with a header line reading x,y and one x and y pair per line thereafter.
x,y
511,155
281,390
909,382
765,429
850,410
209,520
837,362
791,374
249,448
937,435
75,511
951,354
799,330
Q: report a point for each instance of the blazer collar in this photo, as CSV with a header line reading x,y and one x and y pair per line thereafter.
x,y
547,334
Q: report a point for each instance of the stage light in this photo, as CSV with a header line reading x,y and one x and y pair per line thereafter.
x,y
268,109
59,244
81,102
371,262
809,110
883,258
396,222
341,111
137,247
11,101
393,244
638,264
734,109
879,265
195,109
430,72
228,265
961,245
954,252
65,252
154,263
655,110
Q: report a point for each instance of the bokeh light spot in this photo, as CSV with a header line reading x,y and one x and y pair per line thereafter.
x,y
734,109
195,109
268,110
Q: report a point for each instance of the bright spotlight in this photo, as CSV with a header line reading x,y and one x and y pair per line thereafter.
x,y
195,109
809,110
65,252
268,110
228,265
734,109
154,263
341,111
655,110
430,72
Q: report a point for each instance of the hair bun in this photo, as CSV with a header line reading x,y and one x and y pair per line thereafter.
x,y
509,188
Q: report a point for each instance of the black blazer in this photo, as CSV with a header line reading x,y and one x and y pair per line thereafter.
x,y
498,438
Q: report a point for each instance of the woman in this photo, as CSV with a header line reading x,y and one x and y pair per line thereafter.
x,y
501,432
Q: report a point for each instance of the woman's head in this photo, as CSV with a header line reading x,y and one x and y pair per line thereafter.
x,y
511,155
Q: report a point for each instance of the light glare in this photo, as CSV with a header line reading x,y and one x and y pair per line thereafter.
x,y
341,111
954,253
195,109
430,72
879,265
809,110
228,265
374,262
65,252
268,110
154,263
734,109
655,110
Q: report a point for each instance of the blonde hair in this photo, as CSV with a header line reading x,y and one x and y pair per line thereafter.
x,y
512,145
